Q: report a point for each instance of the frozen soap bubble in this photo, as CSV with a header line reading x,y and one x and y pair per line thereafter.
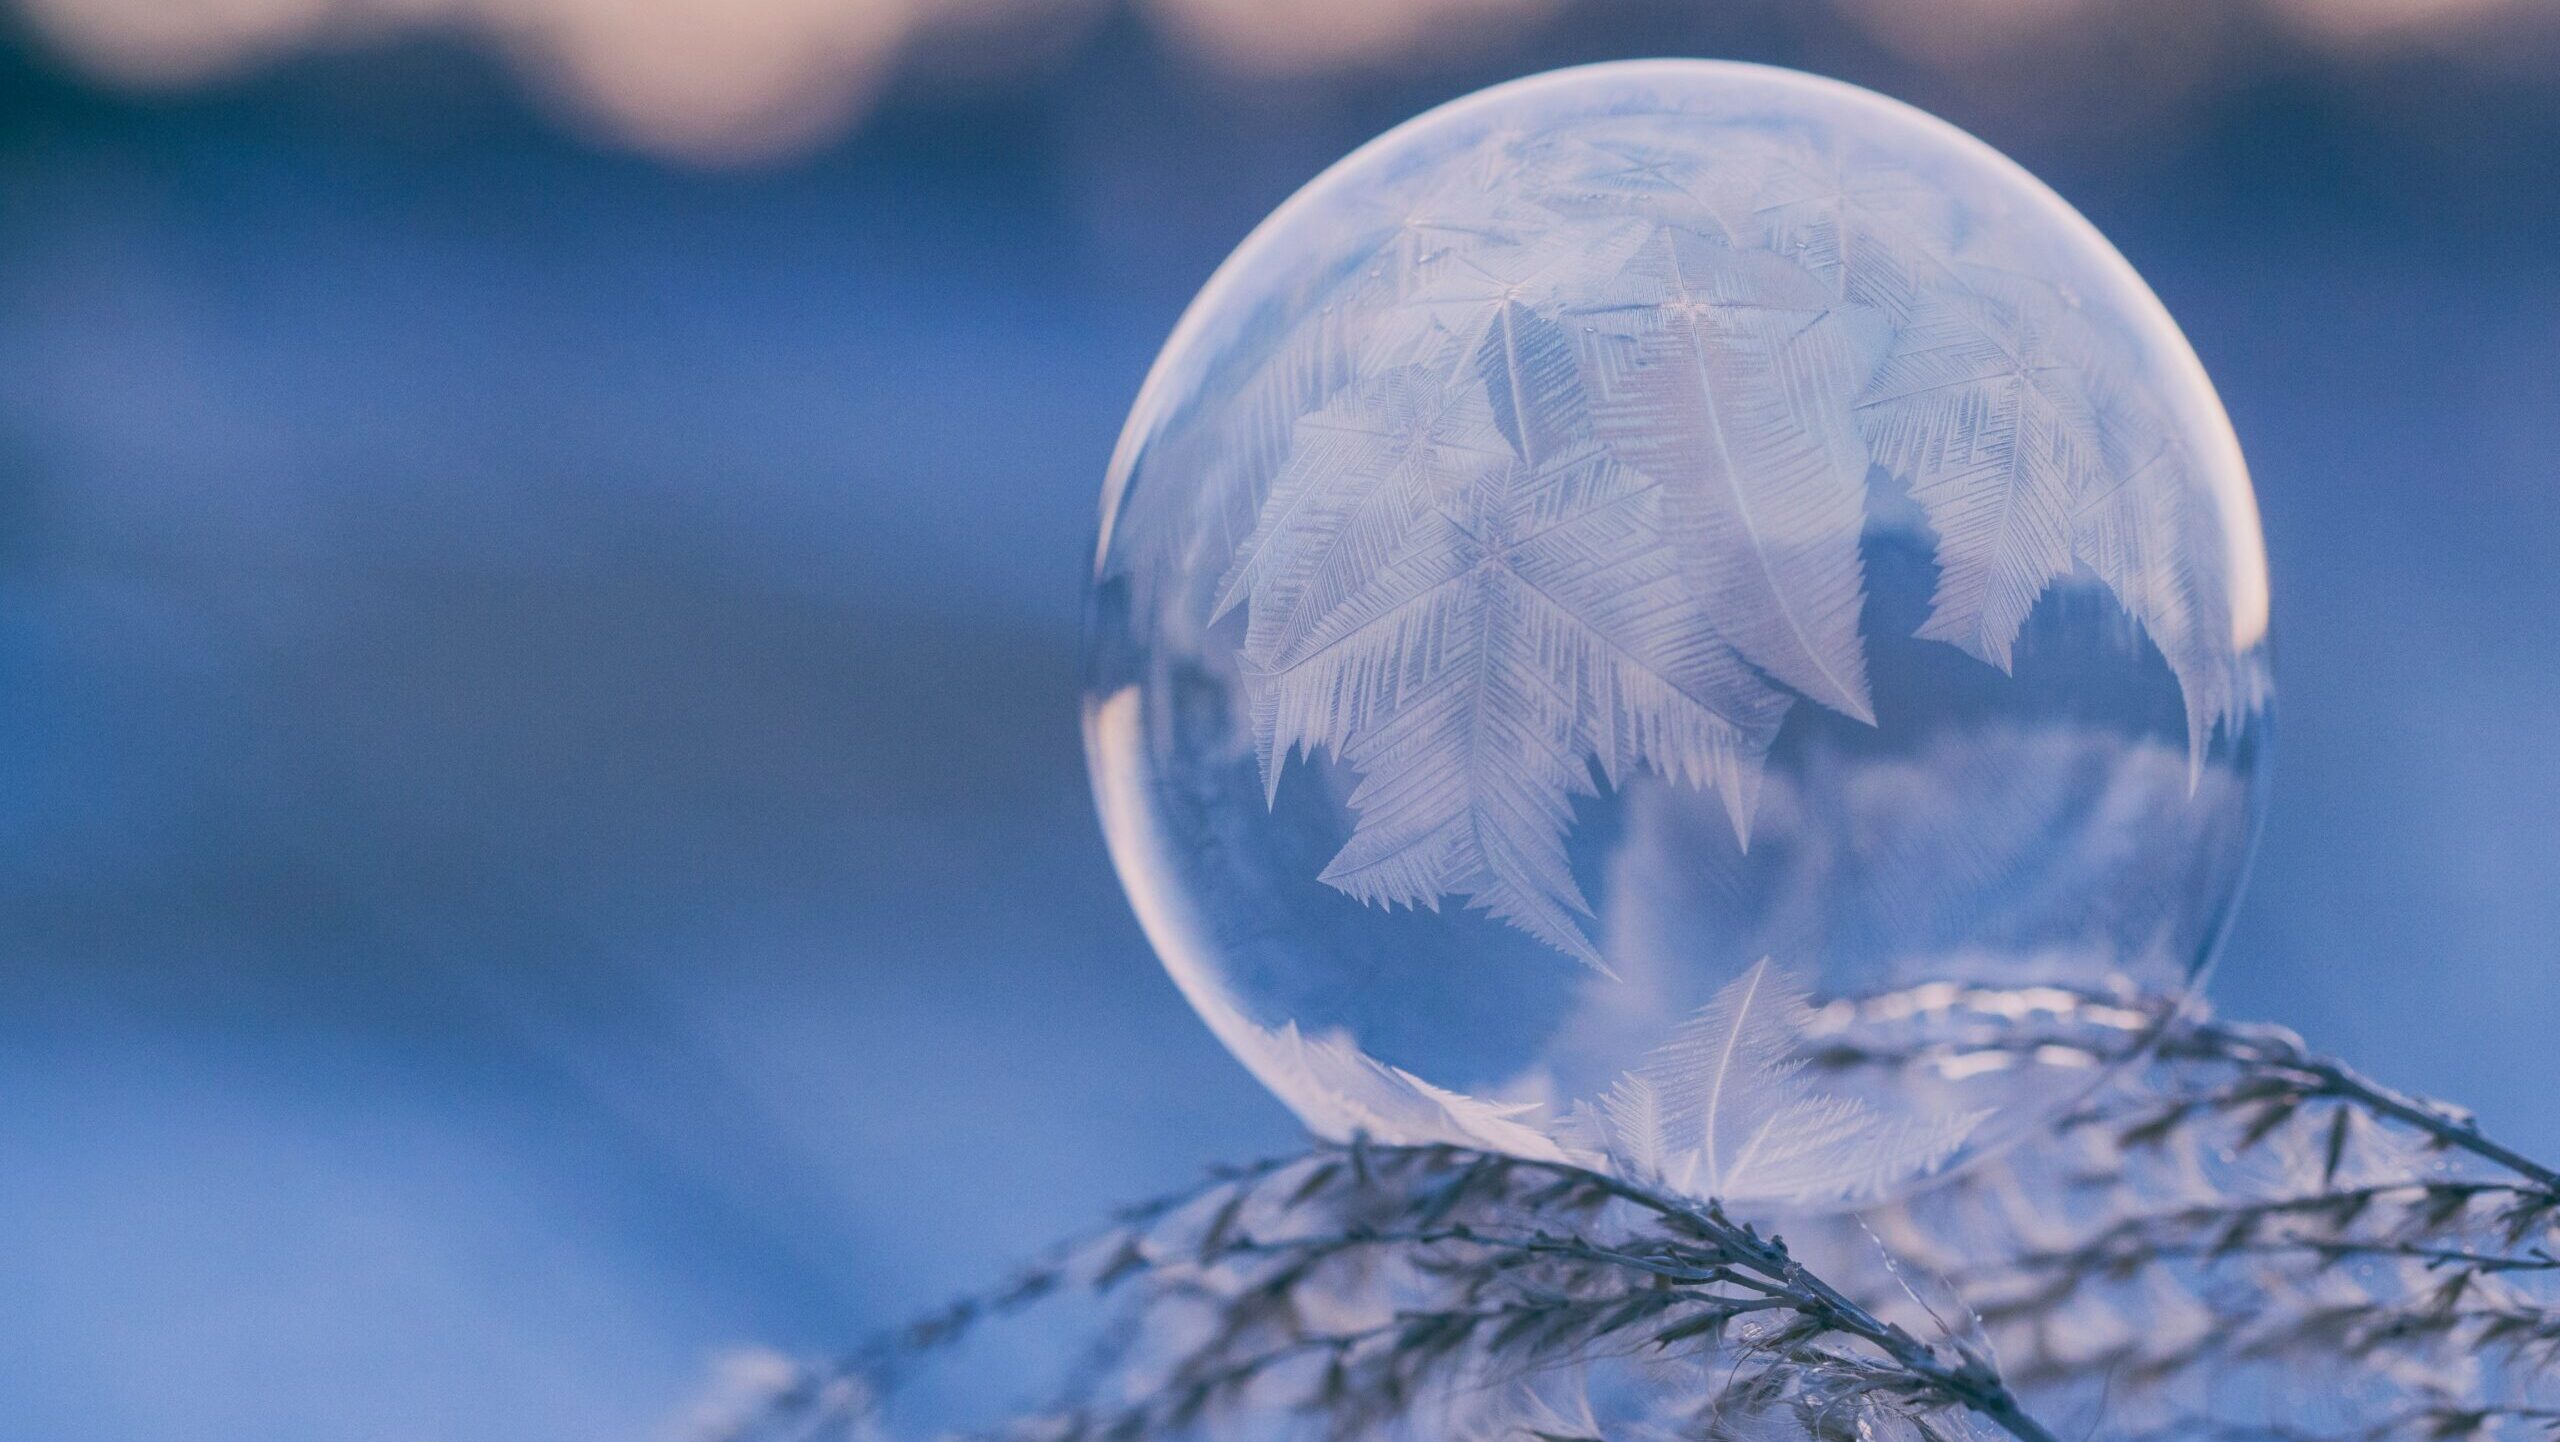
x,y
1682,617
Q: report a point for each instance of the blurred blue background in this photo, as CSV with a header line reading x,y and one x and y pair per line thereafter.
x,y
542,835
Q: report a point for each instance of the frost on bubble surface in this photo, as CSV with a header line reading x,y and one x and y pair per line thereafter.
x,y
1671,500
1579,470
1723,1109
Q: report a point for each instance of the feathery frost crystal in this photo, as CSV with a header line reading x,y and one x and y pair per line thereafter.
x,y
1647,573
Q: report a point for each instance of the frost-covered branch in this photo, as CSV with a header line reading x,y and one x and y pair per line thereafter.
x,y
2279,1075
2245,1239
2236,1240
1365,1288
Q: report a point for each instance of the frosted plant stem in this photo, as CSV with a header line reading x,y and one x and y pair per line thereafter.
x,y
2268,1056
1973,1382
2277,1052
1727,1269
2429,1423
1511,1266
1754,1262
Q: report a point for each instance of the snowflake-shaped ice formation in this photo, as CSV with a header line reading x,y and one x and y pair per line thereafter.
x,y
1569,473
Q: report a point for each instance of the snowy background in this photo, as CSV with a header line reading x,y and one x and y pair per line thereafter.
x,y
541,828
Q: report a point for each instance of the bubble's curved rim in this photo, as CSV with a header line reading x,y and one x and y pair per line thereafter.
x,y
2243,527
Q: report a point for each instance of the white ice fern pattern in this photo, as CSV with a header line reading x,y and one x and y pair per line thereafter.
x,y
1570,477
1722,1110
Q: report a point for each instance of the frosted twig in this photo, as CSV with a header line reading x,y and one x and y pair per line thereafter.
x,y
2241,1241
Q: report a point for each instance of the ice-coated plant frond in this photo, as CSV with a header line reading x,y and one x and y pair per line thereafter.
x,y
1724,1110
1378,1291
2243,1241
1559,472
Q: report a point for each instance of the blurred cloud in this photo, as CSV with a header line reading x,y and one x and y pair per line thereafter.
x,y
2103,62
2359,23
1297,36
705,80
1950,31
1958,31
718,81
150,44
694,78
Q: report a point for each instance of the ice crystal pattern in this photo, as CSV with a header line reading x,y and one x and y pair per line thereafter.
x,y
1344,1094
1722,1110
1569,477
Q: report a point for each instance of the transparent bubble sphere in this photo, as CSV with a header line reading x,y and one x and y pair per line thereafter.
x,y
1682,618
